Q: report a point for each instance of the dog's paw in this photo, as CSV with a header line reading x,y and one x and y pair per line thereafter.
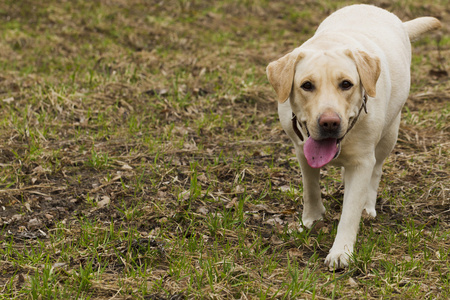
x,y
309,218
338,259
370,212
308,223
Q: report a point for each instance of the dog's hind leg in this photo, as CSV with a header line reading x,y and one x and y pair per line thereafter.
x,y
382,151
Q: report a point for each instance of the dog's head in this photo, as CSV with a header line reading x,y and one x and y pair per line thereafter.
x,y
325,89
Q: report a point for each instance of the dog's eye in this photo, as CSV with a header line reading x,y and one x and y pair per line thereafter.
x,y
307,86
346,85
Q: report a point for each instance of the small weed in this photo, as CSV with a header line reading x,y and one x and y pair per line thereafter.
x,y
98,160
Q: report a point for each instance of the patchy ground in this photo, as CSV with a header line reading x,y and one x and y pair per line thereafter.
x,y
141,157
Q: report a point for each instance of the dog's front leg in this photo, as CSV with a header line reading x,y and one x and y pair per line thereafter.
x,y
313,208
357,184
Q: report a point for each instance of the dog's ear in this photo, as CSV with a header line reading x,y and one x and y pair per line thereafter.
x,y
281,74
369,70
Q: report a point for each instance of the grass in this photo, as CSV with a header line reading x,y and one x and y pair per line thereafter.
x,y
142,158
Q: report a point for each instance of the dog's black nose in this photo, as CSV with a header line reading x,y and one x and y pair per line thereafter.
x,y
329,122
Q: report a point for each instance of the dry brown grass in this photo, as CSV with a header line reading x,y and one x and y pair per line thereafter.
x,y
142,158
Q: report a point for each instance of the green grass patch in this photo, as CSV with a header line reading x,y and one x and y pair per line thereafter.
x,y
141,157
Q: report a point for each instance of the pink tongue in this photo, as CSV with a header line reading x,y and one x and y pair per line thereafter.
x,y
319,153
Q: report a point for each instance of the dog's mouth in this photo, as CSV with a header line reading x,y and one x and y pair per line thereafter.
x,y
318,153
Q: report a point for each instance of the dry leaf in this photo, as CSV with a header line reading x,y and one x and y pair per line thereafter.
x,y
126,167
34,223
203,210
294,226
205,237
16,217
352,282
184,195
291,211
27,205
157,91
275,240
256,217
180,130
262,207
8,100
232,203
202,178
38,170
438,254
161,194
274,221
190,146
58,265
105,201
239,189
284,188
294,252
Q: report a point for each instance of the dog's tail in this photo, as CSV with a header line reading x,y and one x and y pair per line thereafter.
x,y
418,26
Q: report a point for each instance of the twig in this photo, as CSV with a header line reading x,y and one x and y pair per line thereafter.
x,y
25,188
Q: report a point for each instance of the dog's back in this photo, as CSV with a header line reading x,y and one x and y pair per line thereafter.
x,y
378,24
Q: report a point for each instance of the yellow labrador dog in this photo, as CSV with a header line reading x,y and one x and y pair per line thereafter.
x,y
340,98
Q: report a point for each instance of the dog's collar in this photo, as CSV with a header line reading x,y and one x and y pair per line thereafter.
x,y
294,126
300,136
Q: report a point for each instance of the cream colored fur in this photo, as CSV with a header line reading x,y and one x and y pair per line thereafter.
x,y
369,47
